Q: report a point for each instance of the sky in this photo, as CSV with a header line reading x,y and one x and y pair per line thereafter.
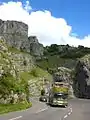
x,y
52,21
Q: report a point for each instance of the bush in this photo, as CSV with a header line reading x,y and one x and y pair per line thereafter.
x,y
7,83
34,72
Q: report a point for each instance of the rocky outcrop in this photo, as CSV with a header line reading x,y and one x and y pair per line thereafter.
x,y
82,78
64,75
12,64
19,77
15,59
15,33
36,48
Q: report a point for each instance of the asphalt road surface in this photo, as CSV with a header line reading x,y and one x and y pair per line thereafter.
x,y
78,109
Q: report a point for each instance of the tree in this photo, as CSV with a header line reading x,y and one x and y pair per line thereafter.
x,y
53,48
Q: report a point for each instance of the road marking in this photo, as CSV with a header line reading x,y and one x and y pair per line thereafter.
x,y
65,116
41,110
70,106
69,113
16,118
71,109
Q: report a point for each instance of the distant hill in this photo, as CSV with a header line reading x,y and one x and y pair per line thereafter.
x,y
66,51
61,55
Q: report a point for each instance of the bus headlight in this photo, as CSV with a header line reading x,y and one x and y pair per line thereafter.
x,y
61,101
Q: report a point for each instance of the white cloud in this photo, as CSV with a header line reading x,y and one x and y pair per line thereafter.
x,y
27,6
47,28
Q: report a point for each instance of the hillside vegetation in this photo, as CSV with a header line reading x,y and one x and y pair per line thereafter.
x,y
61,55
19,75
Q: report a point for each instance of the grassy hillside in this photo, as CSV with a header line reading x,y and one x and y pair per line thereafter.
x,y
62,55
55,61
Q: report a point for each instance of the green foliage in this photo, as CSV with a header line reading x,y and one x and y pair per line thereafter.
x,y
13,50
5,108
55,61
38,72
66,51
34,72
7,83
17,51
62,55
13,78
53,48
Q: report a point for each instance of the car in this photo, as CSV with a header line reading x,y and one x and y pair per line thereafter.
x,y
43,99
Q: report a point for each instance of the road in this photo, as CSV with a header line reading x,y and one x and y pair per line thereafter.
x,y
78,109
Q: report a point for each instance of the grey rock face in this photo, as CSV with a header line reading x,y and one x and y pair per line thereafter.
x,y
62,75
15,34
35,47
82,79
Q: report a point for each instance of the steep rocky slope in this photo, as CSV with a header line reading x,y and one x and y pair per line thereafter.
x,y
82,77
36,48
16,35
19,76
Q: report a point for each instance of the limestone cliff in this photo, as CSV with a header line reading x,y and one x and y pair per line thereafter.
x,y
12,64
36,48
19,76
16,35
82,77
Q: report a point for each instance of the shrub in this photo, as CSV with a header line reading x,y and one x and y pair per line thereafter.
x,y
34,72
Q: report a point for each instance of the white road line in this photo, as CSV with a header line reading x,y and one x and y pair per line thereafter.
x,y
69,113
41,110
16,118
70,106
65,116
71,110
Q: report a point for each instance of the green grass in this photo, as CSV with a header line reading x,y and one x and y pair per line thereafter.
x,y
40,72
15,50
35,73
35,78
5,108
55,60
